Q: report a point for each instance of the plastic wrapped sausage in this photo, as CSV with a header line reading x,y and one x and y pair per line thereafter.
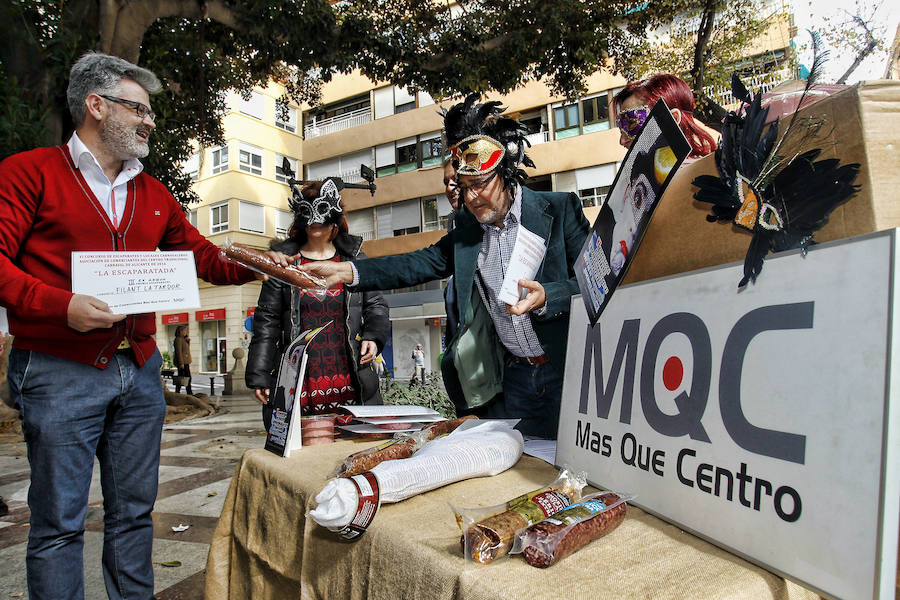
x,y
490,535
402,447
257,261
554,538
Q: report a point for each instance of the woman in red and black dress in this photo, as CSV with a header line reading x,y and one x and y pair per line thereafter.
x,y
339,365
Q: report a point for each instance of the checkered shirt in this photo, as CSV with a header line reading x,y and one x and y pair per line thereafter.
x,y
515,331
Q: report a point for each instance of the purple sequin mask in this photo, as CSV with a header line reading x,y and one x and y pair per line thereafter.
x,y
630,121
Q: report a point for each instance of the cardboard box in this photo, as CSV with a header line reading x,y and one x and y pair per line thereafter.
x,y
862,125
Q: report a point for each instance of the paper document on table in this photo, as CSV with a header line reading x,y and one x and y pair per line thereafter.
x,y
527,256
137,282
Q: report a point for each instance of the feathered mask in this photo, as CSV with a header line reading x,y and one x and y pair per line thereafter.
x,y
481,140
771,184
324,208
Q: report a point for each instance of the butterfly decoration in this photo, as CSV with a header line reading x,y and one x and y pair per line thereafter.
x,y
771,184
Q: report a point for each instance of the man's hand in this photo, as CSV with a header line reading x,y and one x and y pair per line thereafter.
x,y
332,272
86,313
280,259
533,300
262,394
368,349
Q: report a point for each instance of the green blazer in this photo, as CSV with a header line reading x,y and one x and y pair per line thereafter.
x,y
473,363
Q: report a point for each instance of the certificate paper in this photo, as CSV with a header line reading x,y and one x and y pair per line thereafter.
x,y
137,282
527,255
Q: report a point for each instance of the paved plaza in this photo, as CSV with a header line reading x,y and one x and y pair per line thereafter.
x,y
197,461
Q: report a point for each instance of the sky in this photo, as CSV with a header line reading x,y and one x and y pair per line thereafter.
x,y
809,14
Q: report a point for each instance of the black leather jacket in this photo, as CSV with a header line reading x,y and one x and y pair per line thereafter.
x,y
273,327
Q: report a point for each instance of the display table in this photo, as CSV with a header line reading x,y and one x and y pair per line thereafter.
x,y
266,548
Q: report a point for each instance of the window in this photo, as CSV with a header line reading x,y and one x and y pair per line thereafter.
x,y
283,221
430,213
253,106
218,218
385,160
250,159
406,155
430,151
362,223
219,159
252,217
404,107
585,116
593,196
565,121
286,118
596,113
192,218
280,175
191,166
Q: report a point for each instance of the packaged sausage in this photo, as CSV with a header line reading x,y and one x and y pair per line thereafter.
x,y
400,447
257,261
488,533
546,542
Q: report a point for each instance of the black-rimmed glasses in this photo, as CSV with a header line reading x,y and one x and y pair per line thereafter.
x,y
142,110
475,187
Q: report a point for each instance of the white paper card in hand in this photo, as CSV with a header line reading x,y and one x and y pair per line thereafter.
x,y
527,256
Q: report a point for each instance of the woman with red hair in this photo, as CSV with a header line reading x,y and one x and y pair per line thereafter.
x,y
634,101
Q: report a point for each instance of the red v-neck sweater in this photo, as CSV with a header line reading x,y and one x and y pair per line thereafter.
x,y
47,211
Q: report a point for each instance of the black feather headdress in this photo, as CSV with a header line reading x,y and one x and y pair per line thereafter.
x,y
470,119
771,184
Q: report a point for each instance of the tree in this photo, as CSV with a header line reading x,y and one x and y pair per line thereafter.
x,y
857,31
705,44
202,48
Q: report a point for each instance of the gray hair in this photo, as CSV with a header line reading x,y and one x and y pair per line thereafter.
x,y
96,73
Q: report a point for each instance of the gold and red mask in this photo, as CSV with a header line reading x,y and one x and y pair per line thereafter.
x,y
476,155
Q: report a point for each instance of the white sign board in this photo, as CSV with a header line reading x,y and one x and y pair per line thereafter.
x,y
761,419
137,282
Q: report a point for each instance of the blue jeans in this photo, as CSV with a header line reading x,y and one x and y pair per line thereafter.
x,y
70,413
531,393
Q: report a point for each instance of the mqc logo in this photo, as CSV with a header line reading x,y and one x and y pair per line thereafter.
x,y
692,400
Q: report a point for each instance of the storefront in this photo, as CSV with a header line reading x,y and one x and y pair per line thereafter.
x,y
170,323
213,341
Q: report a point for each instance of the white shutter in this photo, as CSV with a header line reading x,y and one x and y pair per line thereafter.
x,y
323,168
593,177
425,99
351,162
252,217
384,102
192,163
384,155
361,221
402,96
283,221
254,106
406,214
385,223
443,206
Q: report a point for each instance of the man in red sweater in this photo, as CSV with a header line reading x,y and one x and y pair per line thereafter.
x,y
86,381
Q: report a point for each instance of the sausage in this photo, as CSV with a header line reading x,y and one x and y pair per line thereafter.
x,y
403,447
554,538
492,537
366,460
259,262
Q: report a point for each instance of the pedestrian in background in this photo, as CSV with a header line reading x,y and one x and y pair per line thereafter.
x,y
418,356
183,360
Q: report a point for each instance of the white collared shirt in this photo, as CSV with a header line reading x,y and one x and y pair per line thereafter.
x,y
112,196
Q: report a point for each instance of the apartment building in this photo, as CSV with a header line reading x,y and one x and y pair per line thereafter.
x,y
397,133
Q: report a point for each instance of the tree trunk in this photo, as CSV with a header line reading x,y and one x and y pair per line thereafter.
x,y
870,47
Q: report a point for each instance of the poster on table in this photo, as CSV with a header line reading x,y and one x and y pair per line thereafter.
x,y
284,436
648,167
761,419
137,282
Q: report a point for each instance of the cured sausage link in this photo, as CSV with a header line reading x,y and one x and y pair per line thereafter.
x,y
545,550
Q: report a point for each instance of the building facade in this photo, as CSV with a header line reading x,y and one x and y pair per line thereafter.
x,y
397,133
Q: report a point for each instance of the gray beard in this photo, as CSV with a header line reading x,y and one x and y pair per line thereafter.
x,y
121,141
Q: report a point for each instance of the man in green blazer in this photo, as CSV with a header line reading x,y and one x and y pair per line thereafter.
x,y
506,361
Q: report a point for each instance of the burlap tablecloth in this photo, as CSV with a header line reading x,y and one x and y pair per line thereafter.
x,y
265,548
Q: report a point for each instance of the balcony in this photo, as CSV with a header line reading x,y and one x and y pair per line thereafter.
x,y
763,83
538,138
318,127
